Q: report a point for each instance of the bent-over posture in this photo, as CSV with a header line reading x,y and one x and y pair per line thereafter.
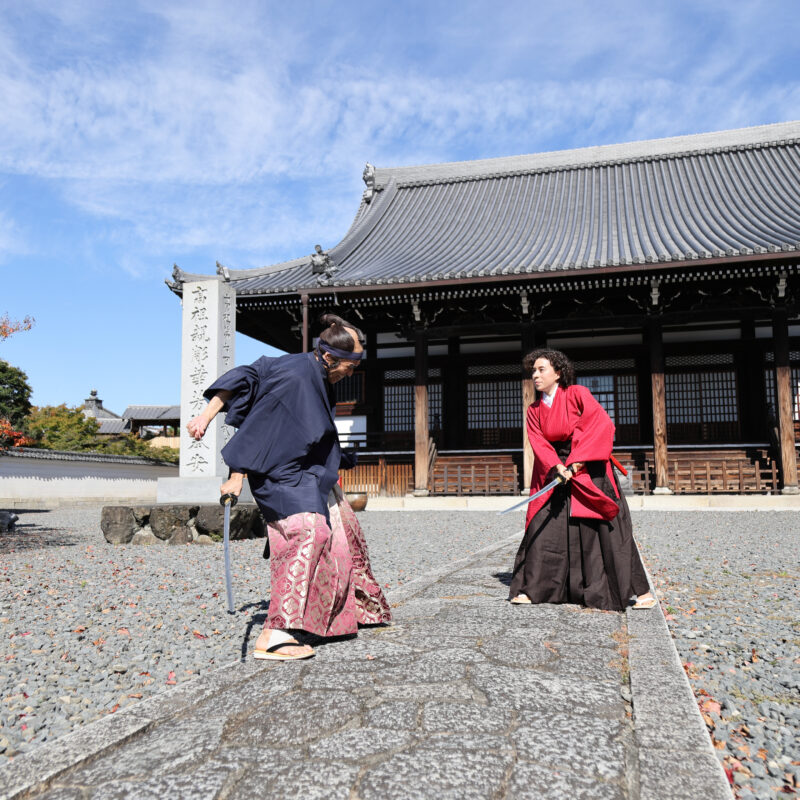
x,y
288,448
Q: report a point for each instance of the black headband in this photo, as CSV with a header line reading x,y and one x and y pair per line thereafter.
x,y
345,354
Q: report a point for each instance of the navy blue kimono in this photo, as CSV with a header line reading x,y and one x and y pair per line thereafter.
x,y
287,441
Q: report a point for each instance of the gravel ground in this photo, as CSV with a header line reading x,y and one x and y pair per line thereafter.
x,y
88,628
729,584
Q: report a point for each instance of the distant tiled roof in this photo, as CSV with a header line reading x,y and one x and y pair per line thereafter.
x,y
714,195
152,414
93,407
70,455
113,426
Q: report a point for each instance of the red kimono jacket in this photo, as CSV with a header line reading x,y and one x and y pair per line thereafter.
x,y
577,415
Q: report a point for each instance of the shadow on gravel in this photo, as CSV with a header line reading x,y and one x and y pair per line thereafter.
x,y
34,537
503,577
256,621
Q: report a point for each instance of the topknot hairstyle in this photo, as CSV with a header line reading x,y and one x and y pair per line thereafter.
x,y
335,333
558,361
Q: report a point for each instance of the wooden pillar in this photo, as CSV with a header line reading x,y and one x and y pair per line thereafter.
x,y
783,386
750,385
453,397
528,396
373,389
304,301
658,387
421,437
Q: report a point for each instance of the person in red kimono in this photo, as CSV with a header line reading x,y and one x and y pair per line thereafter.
x,y
578,545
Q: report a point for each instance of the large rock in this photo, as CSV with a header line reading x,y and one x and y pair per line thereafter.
x,y
246,521
181,536
142,514
166,519
118,524
7,521
144,537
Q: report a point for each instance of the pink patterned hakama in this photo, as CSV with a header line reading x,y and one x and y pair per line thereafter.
x,y
320,574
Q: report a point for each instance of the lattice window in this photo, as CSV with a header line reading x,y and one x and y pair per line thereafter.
x,y
601,364
617,394
480,370
494,404
398,407
683,399
409,374
794,355
602,387
627,400
399,375
701,397
769,380
350,389
699,360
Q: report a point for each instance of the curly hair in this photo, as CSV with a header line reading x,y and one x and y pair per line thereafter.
x,y
558,361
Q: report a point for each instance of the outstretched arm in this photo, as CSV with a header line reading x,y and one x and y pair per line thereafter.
x,y
197,426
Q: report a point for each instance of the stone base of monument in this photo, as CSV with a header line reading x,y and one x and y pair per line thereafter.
x,y
178,523
195,490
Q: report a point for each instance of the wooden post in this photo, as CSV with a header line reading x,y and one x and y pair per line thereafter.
x,y
783,385
453,393
421,415
373,391
528,396
750,385
659,408
304,301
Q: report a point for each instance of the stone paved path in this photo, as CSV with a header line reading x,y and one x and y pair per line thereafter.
x,y
465,696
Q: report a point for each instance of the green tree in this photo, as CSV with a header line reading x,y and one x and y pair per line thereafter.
x,y
132,445
61,428
15,394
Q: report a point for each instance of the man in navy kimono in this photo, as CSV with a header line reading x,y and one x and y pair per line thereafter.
x,y
288,448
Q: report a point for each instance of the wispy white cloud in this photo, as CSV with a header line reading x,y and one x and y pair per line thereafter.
x,y
213,128
12,239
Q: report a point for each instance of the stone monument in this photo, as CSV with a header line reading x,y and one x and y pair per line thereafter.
x,y
207,351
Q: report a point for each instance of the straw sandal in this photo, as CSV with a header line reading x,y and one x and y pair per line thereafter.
x,y
644,604
521,600
277,641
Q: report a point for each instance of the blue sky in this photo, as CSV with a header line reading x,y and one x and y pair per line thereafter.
x,y
135,135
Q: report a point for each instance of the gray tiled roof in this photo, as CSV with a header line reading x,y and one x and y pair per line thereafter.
x,y
72,455
716,195
152,414
108,427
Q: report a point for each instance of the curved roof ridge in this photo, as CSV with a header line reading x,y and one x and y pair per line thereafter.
x,y
597,155
257,272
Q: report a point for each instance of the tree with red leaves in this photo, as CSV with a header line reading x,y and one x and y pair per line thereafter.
x,y
9,326
14,390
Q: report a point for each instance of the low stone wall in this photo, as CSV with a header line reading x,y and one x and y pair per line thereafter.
x,y
178,524
33,478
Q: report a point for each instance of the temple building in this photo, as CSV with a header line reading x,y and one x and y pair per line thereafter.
x,y
666,269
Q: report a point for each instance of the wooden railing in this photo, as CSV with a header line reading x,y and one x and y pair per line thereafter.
x,y
718,475
381,478
474,475
432,454
733,471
